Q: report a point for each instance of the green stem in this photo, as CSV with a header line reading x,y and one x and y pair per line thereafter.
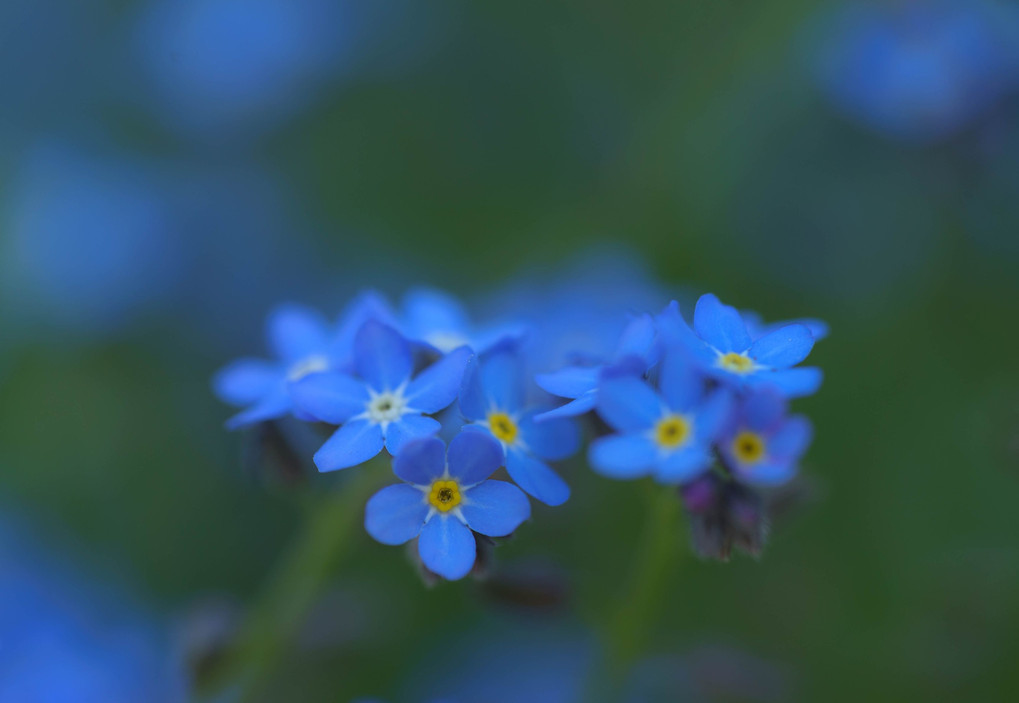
x,y
296,583
630,625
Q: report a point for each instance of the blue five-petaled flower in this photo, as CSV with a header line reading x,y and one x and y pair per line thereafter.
x,y
668,433
722,345
385,405
493,400
303,342
445,497
761,444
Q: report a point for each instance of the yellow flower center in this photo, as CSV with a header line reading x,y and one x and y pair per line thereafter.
x,y
737,363
672,431
748,447
503,427
444,496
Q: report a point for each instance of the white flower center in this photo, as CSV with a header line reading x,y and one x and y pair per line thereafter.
x,y
384,408
317,363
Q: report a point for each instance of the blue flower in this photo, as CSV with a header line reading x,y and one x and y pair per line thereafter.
x,y
67,638
636,351
303,343
386,405
667,434
918,70
493,400
438,321
89,243
761,444
722,344
229,66
445,497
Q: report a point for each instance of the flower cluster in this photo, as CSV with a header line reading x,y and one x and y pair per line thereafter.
x,y
701,407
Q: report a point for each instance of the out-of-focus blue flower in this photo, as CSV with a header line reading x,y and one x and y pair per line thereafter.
x,y
721,343
64,639
445,497
304,343
918,70
439,321
579,314
762,445
636,350
223,66
90,241
667,433
494,400
385,406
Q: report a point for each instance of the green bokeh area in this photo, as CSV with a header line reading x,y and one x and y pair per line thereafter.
x,y
689,134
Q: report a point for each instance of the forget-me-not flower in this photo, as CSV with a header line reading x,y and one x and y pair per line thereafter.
x,y
228,67
636,350
445,497
386,405
303,343
918,70
440,322
724,347
762,444
493,400
668,433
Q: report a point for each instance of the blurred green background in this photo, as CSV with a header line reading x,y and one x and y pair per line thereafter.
x,y
464,145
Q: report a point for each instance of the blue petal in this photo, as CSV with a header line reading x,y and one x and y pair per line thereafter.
x,y
685,464
330,397
382,356
429,311
792,439
421,461
679,382
792,383
439,384
675,332
297,332
571,382
628,404
473,457
537,478
572,409
495,508
623,456
447,547
247,380
714,415
353,444
720,325
772,473
368,305
762,409
551,440
818,328
499,335
502,380
638,338
783,348
396,514
407,428
472,403
276,404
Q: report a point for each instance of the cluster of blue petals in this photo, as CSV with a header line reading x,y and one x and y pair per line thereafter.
x,y
675,401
